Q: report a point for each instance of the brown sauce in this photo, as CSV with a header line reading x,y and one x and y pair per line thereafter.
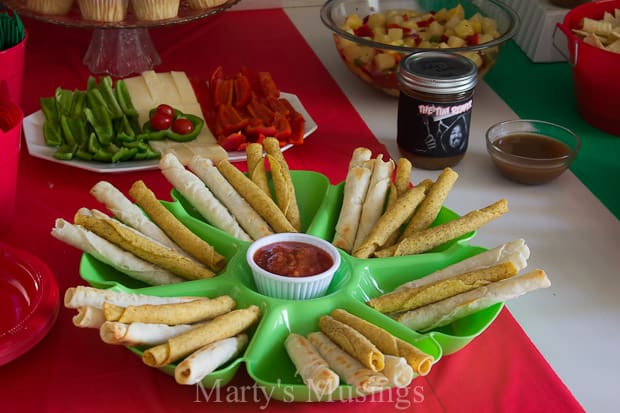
x,y
532,145
537,148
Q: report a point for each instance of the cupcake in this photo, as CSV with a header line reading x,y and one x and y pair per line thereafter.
x,y
204,4
103,10
155,9
51,7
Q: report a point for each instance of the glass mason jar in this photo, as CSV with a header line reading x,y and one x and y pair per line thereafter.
x,y
434,108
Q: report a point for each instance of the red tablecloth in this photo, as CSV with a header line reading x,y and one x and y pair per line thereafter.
x,y
72,370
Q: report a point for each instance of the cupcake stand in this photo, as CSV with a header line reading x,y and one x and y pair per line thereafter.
x,y
119,48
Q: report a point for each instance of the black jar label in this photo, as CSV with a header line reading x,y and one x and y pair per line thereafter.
x,y
433,129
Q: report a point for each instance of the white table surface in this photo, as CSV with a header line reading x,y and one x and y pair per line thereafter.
x,y
576,322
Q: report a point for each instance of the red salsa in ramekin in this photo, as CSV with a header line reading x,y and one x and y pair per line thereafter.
x,y
293,259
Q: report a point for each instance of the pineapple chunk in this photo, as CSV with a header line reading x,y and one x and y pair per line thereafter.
x,y
395,34
455,41
384,61
367,53
457,11
376,20
442,15
435,29
353,21
464,29
489,25
351,52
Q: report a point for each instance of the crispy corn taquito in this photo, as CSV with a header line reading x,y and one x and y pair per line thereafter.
x,y
359,157
374,203
427,239
403,175
444,312
129,213
207,359
256,166
312,368
282,182
255,226
84,296
429,208
111,254
170,314
515,251
201,198
261,202
386,342
390,222
363,379
221,327
141,246
179,233
353,342
412,298
138,334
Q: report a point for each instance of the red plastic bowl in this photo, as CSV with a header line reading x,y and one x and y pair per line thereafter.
x,y
29,302
595,71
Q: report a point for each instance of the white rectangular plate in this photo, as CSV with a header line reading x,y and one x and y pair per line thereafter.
x,y
33,131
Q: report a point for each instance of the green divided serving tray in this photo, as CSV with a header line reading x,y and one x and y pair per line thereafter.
x,y
355,282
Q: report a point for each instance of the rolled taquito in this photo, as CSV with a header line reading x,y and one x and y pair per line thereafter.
x,y
84,296
139,334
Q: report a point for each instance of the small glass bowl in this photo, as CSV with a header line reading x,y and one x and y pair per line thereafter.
x,y
531,151
292,288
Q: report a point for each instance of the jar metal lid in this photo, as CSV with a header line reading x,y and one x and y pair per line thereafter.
x,y
438,72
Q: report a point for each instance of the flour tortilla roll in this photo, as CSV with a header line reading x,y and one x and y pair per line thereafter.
x,y
515,251
412,298
179,233
256,166
444,312
359,157
355,189
353,342
139,334
283,185
387,343
363,379
312,368
201,198
207,359
129,213
432,203
170,314
88,317
83,296
141,246
427,239
221,327
261,202
253,224
111,254
390,222
374,202
397,371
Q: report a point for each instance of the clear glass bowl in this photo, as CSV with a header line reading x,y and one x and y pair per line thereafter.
x,y
335,12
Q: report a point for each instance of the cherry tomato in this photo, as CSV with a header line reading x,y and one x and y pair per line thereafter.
x,y
160,121
166,110
182,126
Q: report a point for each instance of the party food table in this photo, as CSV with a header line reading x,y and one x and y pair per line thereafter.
x,y
501,370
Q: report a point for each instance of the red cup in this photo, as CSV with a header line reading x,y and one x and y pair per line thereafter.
x,y
10,141
11,72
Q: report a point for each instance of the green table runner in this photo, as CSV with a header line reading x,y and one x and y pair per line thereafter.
x,y
545,91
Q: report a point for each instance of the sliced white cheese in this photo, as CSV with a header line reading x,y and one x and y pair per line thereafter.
x,y
153,83
167,90
140,97
185,88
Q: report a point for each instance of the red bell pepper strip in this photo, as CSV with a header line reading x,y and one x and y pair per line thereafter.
x,y
229,119
283,127
255,128
223,92
278,105
297,130
233,142
259,110
267,86
243,90
217,74
363,31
